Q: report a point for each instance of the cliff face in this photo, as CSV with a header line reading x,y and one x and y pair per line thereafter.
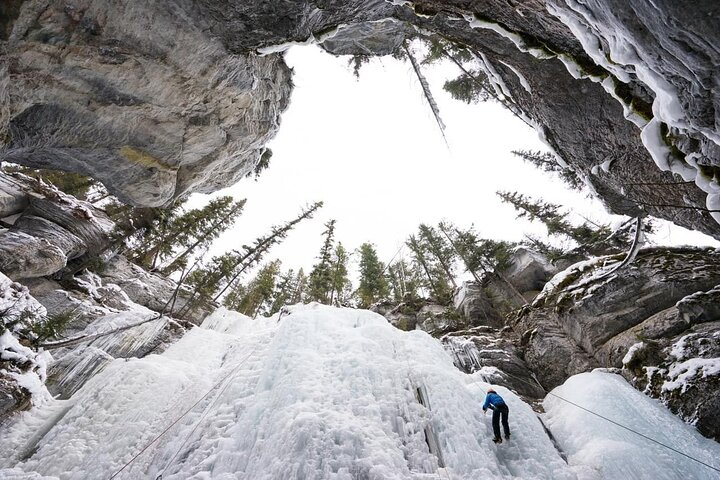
x,y
157,99
136,94
655,321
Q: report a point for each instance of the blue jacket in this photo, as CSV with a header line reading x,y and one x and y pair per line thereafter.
x,y
493,400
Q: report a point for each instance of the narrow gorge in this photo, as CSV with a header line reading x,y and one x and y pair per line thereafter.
x,y
112,369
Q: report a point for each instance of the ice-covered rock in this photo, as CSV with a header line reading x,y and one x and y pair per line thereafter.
x,y
22,370
493,354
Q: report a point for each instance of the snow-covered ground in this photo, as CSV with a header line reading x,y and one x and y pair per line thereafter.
x,y
320,393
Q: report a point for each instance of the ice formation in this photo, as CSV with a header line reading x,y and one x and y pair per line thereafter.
x,y
615,452
319,393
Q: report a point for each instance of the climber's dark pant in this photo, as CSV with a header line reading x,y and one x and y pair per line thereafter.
x,y
498,411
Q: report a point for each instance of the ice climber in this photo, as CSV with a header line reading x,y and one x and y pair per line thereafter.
x,y
496,403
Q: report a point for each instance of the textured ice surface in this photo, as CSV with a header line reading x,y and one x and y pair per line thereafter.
x,y
323,393
618,453
316,393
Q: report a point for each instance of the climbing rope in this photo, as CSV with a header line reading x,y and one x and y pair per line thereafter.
x,y
202,418
232,372
635,432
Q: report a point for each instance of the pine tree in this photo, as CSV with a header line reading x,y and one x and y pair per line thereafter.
x,y
257,296
554,220
405,281
340,281
547,162
435,280
299,288
321,277
440,250
373,284
213,280
491,257
188,231
284,290
197,229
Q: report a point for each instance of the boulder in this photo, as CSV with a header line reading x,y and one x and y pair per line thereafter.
x,y
381,37
12,198
26,256
150,290
529,270
474,305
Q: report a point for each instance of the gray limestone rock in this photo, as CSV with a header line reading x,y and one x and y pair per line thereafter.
x,y
492,353
529,270
173,99
25,256
474,305
381,37
12,198
140,96
150,290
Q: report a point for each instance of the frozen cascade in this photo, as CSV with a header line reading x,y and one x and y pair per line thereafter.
x,y
314,393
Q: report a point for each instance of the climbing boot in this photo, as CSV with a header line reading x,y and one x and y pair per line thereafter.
x,y
497,440
507,436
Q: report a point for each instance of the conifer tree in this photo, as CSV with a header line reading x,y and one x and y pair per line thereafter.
x,y
188,231
373,284
405,280
213,280
320,281
299,288
340,281
554,220
198,228
547,162
440,250
435,281
257,296
284,290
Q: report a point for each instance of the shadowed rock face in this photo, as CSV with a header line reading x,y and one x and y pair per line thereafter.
x,y
158,99
137,95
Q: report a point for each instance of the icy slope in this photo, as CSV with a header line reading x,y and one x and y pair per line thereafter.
x,y
616,452
319,393
323,393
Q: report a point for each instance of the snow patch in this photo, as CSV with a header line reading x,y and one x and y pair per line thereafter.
x,y
631,352
614,452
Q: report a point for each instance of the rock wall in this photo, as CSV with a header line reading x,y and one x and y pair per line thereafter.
x,y
138,95
157,99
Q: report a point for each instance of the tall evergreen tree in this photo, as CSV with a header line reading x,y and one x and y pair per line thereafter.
x,y
547,162
435,280
284,290
405,280
320,281
198,228
340,281
213,280
373,284
257,297
299,288
186,232
440,250
554,220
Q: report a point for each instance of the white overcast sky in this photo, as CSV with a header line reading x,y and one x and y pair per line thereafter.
x,y
370,149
